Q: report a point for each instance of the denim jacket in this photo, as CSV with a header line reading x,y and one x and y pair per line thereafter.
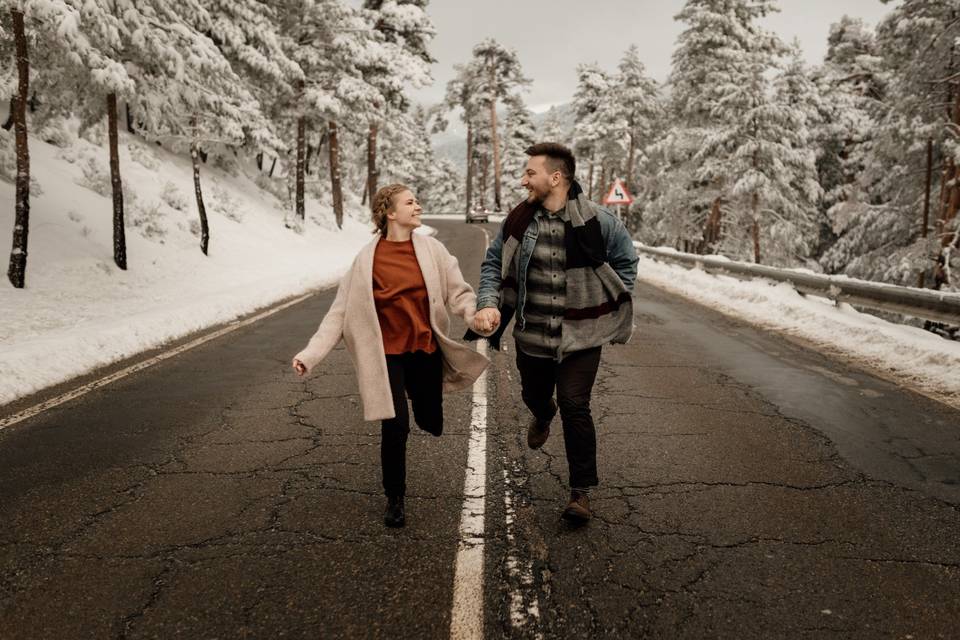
x,y
621,255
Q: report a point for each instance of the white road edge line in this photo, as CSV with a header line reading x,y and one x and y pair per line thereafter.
x,y
140,366
466,616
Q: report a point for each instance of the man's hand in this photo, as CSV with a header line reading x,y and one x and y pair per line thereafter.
x,y
299,367
487,320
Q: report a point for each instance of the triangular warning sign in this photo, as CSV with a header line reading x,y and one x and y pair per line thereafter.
x,y
618,194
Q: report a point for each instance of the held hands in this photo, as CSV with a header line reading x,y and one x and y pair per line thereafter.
x,y
299,367
486,321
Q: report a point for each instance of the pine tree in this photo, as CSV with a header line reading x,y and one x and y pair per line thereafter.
x,y
18,256
744,150
332,43
406,31
68,63
554,127
636,104
519,134
908,182
462,94
851,83
497,74
595,140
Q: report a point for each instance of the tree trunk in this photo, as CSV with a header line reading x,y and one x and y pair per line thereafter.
x,y
926,193
631,158
260,161
754,202
469,166
494,141
13,107
273,166
119,239
306,163
335,188
301,141
21,226
590,182
126,109
372,173
711,232
202,210
484,176
921,277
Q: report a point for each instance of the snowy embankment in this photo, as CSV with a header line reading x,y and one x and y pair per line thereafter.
x,y
907,355
79,311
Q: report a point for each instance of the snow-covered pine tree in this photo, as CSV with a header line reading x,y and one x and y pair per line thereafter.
x,y
635,103
17,270
461,95
497,74
403,65
332,42
595,139
744,148
248,34
67,61
203,107
519,133
554,127
796,229
911,169
851,82
150,53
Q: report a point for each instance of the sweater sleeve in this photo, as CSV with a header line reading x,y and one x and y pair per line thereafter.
x,y
330,332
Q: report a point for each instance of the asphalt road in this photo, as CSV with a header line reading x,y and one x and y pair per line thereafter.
x,y
750,488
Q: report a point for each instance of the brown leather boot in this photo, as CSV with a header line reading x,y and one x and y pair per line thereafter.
x,y
539,430
578,509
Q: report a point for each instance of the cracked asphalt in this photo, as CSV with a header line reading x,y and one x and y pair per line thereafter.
x,y
750,488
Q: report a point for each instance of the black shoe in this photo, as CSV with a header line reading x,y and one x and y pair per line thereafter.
x,y
393,515
539,430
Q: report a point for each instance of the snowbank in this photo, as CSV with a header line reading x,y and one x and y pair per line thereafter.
x,y
908,355
79,312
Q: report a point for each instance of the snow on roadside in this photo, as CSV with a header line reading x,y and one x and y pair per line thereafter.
x,y
909,355
79,312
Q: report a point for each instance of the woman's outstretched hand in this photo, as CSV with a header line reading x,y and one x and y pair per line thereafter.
x,y
299,367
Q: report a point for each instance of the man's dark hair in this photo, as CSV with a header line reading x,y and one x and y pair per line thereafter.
x,y
559,158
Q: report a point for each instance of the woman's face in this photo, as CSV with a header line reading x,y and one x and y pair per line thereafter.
x,y
406,211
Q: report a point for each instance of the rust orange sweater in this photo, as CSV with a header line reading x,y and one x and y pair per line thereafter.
x,y
400,296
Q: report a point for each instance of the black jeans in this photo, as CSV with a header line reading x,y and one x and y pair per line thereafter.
x,y
573,379
419,375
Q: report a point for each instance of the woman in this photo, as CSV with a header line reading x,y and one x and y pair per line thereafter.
x,y
390,310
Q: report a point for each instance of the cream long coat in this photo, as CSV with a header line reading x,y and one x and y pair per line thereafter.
x,y
353,317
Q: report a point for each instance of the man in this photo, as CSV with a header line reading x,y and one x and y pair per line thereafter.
x,y
564,268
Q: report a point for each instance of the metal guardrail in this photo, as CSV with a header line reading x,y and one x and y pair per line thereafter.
x,y
919,303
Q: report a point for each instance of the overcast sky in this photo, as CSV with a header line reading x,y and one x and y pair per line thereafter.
x,y
552,38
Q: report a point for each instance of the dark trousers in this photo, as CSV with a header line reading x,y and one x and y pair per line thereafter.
x,y
573,379
419,375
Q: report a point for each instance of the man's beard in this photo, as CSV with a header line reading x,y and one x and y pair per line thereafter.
x,y
536,198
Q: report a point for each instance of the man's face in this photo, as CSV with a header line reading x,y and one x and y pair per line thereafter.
x,y
538,179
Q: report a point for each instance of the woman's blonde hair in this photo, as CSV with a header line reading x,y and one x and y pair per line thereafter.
x,y
382,203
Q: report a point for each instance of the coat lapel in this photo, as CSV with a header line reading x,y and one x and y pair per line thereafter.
x,y
365,280
427,267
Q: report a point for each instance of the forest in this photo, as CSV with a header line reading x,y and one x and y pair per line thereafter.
x,y
847,167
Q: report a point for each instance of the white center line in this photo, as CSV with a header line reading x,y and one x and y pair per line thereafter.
x,y
467,615
466,619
